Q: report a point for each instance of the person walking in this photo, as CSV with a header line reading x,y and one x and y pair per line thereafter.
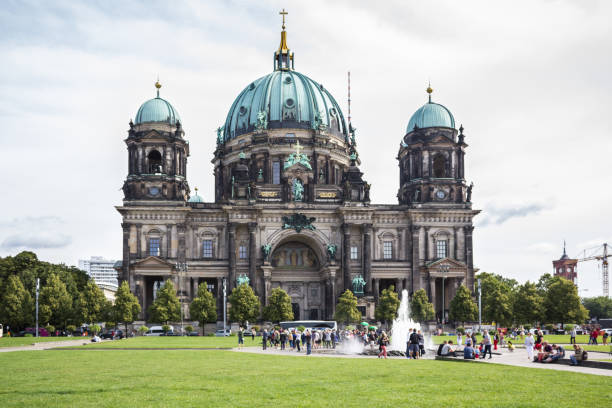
x,y
529,346
413,350
459,338
573,335
604,338
264,338
382,345
421,343
240,338
296,340
283,339
486,341
495,340
253,334
308,342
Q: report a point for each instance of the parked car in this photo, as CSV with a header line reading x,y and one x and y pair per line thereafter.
x,y
42,332
158,331
112,335
219,333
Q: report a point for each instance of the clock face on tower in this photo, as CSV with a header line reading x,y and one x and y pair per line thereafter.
x,y
440,194
153,191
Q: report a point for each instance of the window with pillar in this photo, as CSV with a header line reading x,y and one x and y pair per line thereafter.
x,y
388,250
354,252
276,172
243,252
207,248
154,246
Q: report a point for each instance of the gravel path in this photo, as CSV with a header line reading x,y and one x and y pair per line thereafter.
x,y
47,345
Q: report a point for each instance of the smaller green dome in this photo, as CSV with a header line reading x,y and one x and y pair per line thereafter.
x,y
157,110
431,115
196,198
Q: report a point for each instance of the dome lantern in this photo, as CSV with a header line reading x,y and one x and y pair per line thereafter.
x,y
283,57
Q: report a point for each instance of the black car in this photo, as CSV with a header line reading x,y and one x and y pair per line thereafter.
x,y
112,335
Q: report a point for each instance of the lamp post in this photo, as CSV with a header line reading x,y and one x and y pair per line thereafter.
x,y
444,270
181,267
479,306
224,305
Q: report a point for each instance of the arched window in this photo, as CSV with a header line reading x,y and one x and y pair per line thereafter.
x,y
155,162
439,166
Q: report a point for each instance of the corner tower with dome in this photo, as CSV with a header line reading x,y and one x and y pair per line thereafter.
x,y
291,207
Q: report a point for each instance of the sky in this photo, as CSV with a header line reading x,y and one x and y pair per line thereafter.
x,y
529,80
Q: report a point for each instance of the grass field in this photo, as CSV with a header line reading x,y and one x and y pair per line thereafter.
x,y
26,341
176,342
163,378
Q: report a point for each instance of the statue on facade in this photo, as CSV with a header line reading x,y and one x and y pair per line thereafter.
x,y
156,286
297,157
331,251
358,285
233,187
243,279
265,250
262,121
298,190
469,193
260,177
417,195
366,192
321,176
298,222
220,135
352,131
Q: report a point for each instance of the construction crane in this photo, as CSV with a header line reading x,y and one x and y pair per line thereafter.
x,y
604,266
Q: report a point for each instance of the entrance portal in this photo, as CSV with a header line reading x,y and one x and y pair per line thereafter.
x,y
296,311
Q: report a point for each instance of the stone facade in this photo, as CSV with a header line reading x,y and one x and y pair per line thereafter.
x,y
292,210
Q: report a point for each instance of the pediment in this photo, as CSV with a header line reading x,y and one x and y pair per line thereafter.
x,y
153,134
154,262
298,168
446,267
452,263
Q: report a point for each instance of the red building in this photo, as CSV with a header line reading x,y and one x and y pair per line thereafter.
x,y
566,267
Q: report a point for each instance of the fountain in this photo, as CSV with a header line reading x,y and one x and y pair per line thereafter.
x,y
403,323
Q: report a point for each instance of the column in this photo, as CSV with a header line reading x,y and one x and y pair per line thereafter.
x,y
469,256
125,267
427,257
455,244
346,256
139,241
194,286
399,285
432,292
416,273
231,252
376,289
219,298
252,226
367,257
181,253
168,241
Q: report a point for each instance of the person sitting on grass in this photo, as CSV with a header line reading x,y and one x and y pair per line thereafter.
x,y
510,346
468,352
578,356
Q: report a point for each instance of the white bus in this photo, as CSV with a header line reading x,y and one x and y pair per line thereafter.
x,y
310,324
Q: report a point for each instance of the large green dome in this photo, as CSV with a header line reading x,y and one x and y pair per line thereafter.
x,y
157,110
288,99
431,115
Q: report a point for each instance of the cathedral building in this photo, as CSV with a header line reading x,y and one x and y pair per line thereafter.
x,y
292,208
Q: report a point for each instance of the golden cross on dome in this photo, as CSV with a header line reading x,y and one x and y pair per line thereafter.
x,y
283,13
298,147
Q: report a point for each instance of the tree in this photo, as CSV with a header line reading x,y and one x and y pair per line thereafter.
x,y
166,307
346,309
421,309
599,307
55,303
16,304
279,306
93,305
388,303
496,302
126,308
244,303
562,303
203,308
462,308
528,305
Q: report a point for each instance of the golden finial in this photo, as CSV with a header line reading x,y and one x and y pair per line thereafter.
x,y
157,85
283,13
196,190
429,91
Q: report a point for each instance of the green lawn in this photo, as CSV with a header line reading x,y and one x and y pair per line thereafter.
x,y
166,378
26,341
176,342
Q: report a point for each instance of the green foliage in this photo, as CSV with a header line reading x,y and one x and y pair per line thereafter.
x,y
421,309
166,328
142,330
568,327
55,303
346,309
496,299
95,328
189,329
255,327
549,327
204,307
528,306
462,308
461,330
71,328
599,307
51,329
92,304
279,306
126,307
301,329
562,303
388,303
28,335
16,304
245,305
166,307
